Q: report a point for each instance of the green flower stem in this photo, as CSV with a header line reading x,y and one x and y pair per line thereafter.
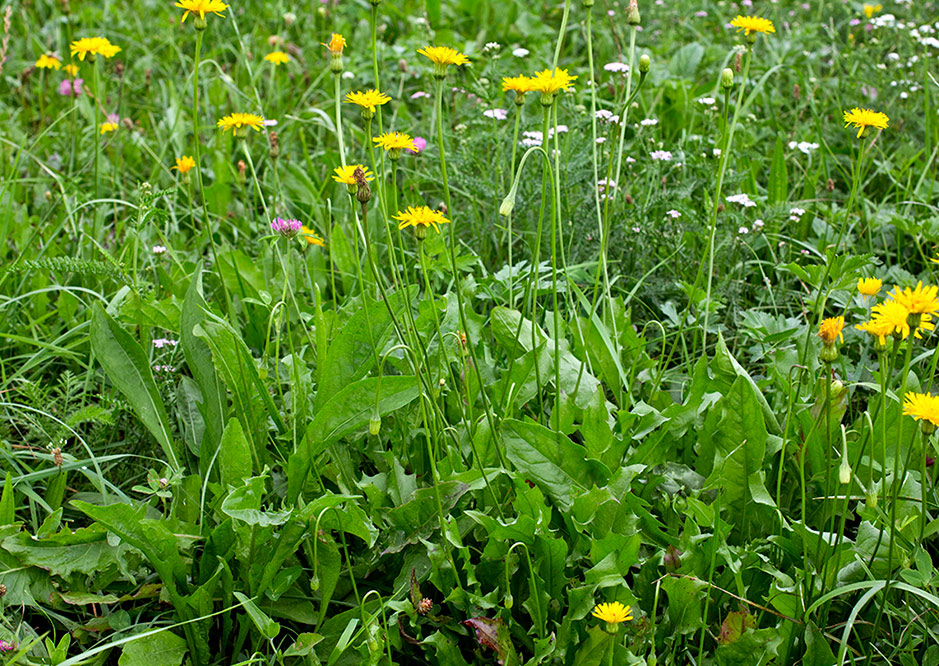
x,y
534,594
338,100
438,105
97,129
922,489
254,176
561,33
725,158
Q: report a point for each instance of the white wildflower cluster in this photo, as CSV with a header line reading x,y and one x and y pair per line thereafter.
x,y
742,199
535,138
496,114
649,122
520,52
621,67
661,155
795,214
803,146
491,47
707,101
607,116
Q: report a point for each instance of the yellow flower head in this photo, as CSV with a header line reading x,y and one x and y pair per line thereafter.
x,y
93,46
419,218
108,127
896,316
277,58
184,164
548,82
879,328
336,43
311,237
917,301
830,330
48,61
395,141
346,174
613,613
922,407
869,286
71,70
520,84
368,100
201,7
751,24
442,56
864,118
870,10
238,121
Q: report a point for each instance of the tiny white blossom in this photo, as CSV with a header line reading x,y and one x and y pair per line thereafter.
x,y
663,155
520,52
674,214
742,199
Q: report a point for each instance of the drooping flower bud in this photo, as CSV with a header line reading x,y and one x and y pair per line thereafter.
x,y
727,78
645,64
632,13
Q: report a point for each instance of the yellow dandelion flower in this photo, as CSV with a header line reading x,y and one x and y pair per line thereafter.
x,y
520,84
108,127
277,58
879,328
421,219
897,316
869,286
870,10
395,141
613,613
368,99
346,174
311,237
917,301
442,56
201,7
336,43
92,46
48,61
922,407
752,24
549,82
238,121
71,70
831,329
184,164
864,118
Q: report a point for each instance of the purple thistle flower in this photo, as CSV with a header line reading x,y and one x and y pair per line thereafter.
x,y
6,646
420,143
286,228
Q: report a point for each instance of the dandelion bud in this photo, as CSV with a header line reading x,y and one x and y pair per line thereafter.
x,y
629,200
118,69
241,171
844,471
830,185
829,354
738,62
57,456
314,583
374,425
645,63
505,209
275,145
362,191
588,3
199,22
403,66
796,92
375,3
727,78
927,427
335,63
632,13
289,18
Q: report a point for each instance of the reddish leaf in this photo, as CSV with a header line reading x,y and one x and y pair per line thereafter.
x,y
493,635
735,625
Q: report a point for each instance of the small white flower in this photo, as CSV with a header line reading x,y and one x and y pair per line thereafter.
x,y
616,67
663,155
649,122
797,212
160,343
496,114
742,230
636,230
630,160
742,199
674,214
419,94
601,139
520,52
492,46
348,75
159,249
757,224
707,101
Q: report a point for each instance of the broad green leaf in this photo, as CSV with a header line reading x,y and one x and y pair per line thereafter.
x,y
127,366
593,651
235,456
685,603
86,550
244,503
551,460
7,503
268,628
419,517
161,649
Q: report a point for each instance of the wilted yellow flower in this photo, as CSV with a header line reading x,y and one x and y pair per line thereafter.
x,y
879,328
311,237
751,24
238,121
346,174
922,407
917,301
520,84
395,141
108,127
336,43
869,286
613,613
368,99
71,70
870,10
184,164
92,46
201,7
277,58
48,61
864,118
443,56
420,218
549,82
830,330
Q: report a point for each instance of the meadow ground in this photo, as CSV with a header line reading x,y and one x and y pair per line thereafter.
x,y
468,332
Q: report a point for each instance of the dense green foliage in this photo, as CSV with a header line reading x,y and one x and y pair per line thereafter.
x,y
222,445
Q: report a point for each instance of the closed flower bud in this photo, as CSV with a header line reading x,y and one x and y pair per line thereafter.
x,y
632,13
374,425
425,606
844,471
507,204
588,3
645,63
727,78
738,62
830,185
241,171
275,145
363,193
199,22
335,63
